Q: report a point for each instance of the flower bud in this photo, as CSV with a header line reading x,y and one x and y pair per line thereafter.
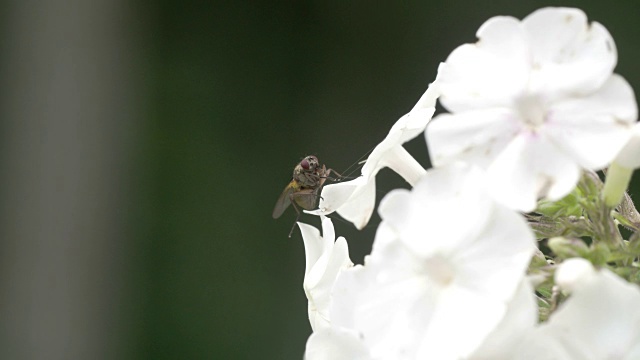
x,y
568,248
574,272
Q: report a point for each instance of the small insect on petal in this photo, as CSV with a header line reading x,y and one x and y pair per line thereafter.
x,y
303,190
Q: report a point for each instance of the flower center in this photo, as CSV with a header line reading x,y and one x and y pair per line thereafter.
x,y
532,112
440,270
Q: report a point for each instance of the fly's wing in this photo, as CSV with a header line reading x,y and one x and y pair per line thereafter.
x,y
283,202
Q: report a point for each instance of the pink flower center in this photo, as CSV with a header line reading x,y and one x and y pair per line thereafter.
x,y
532,112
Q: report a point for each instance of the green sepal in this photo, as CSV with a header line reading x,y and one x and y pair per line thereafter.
x,y
567,206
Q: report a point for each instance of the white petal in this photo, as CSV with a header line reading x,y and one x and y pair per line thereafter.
x,y
601,320
458,181
573,273
354,200
397,313
489,73
462,321
335,195
505,341
324,271
429,98
540,345
476,136
569,56
531,168
348,291
443,198
593,129
319,282
411,125
313,245
359,208
385,301
396,207
328,233
335,344
497,259
372,165
324,260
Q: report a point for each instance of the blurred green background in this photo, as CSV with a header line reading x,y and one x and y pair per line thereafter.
x,y
227,97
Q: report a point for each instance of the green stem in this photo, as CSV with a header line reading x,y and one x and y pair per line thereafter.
x,y
615,185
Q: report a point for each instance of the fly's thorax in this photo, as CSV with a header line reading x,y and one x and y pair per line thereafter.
x,y
297,171
307,177
301,176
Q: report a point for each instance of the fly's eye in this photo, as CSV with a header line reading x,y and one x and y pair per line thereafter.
x,y
305,164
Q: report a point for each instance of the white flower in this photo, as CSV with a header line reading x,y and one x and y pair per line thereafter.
x,y
600,320
355,200
325,258
533,102
446,261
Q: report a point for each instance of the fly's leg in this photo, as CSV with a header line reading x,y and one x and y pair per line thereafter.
x,y
328,173
295,207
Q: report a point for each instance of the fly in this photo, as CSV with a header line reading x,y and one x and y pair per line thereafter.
x,y
303,190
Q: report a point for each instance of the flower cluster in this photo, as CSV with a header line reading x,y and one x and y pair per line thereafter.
x,y
455,272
